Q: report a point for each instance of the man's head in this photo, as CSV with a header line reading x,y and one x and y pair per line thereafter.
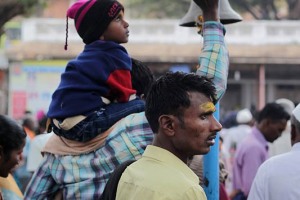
x,y
12,141
98,18
295,125
42,124
141,78
179,109
29,123
272,120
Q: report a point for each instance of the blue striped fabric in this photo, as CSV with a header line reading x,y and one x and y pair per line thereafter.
x,y
214,59
84,176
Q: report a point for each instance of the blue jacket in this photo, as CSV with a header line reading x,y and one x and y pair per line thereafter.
x,y
101,70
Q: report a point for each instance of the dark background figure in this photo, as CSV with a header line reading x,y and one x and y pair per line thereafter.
x,y
278,177
12,141
253,150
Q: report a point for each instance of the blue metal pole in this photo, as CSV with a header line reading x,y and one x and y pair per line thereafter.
x,y
211,163
211,168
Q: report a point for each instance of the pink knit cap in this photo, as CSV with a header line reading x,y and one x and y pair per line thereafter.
x,y
92,17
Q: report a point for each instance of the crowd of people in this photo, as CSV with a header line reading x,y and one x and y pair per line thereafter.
x,y
114,132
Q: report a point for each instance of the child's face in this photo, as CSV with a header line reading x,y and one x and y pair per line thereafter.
x,y
117,30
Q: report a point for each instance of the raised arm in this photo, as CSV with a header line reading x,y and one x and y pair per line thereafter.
x,y
214,58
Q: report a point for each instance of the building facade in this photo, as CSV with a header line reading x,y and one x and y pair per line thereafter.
x,y
264,61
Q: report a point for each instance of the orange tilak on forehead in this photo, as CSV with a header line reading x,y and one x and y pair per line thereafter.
x,y
207,107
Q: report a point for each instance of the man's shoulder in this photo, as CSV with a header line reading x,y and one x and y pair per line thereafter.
x,y
145,175
273,165
249,145
282,159
42,138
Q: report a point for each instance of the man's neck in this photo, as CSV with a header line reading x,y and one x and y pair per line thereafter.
x,y
169,147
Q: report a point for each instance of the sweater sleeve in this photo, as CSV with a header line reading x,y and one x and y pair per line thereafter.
x,y
117,67
120,85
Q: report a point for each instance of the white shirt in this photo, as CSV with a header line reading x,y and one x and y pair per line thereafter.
x,y
231,140
34,155
278,177
235,135
282,144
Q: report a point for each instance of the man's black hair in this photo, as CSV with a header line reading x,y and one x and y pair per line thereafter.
x,y
11,135
169,95
272,111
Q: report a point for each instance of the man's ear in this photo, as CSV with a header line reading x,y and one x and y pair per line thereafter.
x,y
264,124
267,121
166,123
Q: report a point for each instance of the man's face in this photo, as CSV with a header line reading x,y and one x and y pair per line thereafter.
x,y
117,30
198,131
10,161
275,129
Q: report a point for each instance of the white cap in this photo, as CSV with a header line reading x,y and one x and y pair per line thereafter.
x,y
244,116
287,104
296,112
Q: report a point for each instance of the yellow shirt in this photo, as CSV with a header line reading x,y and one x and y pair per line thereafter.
x,y
159,175
10,189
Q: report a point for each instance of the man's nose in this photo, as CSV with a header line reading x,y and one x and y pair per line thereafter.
x,y
216,126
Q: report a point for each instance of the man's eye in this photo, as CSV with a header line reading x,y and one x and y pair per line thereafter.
x,y
203,117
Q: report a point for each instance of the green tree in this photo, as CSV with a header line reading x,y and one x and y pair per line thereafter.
x,y
269,9
157,8
293,9
12,8
258,9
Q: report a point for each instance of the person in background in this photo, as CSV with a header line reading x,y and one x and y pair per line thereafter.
x,y
34,157
233,138
235,135
278,177
253,150
229,120
21,175
283,144
29,126
12,142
